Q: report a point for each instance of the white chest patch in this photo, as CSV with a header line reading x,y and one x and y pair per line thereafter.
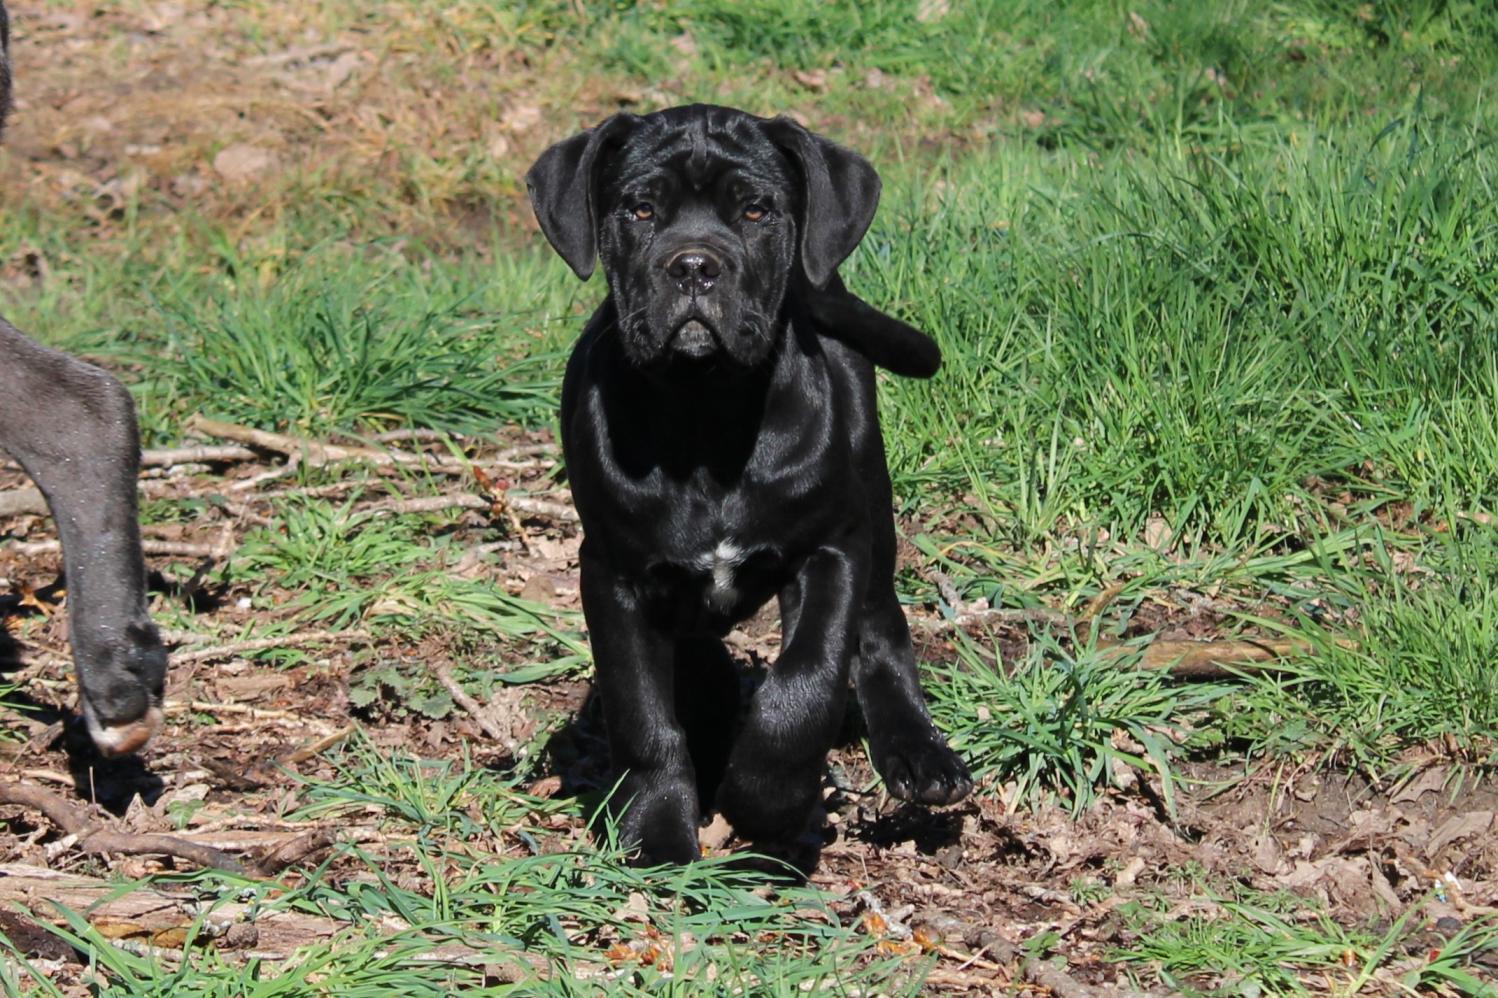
x,y
720,563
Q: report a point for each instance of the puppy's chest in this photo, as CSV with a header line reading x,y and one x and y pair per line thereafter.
x,y
709,570
719,566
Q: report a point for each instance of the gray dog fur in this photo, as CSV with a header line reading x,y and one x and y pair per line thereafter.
x,y
72,427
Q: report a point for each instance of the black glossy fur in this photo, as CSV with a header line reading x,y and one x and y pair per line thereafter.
x,y
722,442
72,427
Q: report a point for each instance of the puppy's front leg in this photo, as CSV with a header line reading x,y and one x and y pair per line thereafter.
x,y
656,804
774,777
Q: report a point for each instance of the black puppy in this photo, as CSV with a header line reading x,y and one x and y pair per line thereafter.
x,y
72,427
722,442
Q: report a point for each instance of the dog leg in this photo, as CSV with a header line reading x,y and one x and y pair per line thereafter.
x,y
774,780
707,704
72,427
655,804
904,745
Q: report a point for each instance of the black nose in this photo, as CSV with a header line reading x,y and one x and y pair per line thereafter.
x,y
694,270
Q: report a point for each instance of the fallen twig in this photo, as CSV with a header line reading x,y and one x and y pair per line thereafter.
x,y
203,454
436,504
254,713
992,615
253,928
942,977
315,453
294,850
1218,659
540,507
93,837
306,54
431,504
173,638
28,499
468,703
262,644
1094,609
177,549
1056,981
318,747
25,500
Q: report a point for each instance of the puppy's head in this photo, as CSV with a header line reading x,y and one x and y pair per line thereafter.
x,y
702,217
4,66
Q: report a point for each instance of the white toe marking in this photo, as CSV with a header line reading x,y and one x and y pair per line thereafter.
x,y
122,738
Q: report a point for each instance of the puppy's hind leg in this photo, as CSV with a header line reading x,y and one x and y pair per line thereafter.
x,y
72,427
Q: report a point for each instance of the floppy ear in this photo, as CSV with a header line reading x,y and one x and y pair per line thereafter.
x,y
561,185
841,193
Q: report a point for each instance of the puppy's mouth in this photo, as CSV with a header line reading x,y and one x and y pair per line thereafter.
x,y
694,339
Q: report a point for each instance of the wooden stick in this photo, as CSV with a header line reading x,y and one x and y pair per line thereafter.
x,y
204,454
261,644
436,504
1094,608
254,713
25,500
993,614
318,747
316,454
177,549
468,703
432,504
29,500
1219,659
95,838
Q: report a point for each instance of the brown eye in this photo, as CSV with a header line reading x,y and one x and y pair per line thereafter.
x,y
756,212
644,211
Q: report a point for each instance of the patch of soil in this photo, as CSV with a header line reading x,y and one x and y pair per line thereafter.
x,y
975,882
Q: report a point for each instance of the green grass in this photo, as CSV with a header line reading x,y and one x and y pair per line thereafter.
x,y
1067,726
1255,943
1214,284
437,880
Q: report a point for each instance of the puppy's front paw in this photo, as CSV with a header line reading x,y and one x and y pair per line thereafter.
x,y
921,767
788,860
770,804
659,818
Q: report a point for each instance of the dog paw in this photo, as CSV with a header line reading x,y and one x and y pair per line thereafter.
x,y
770,806
922,768
787,861
120,679
660,822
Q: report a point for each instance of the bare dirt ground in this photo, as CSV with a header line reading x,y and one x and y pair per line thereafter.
x,y
977,880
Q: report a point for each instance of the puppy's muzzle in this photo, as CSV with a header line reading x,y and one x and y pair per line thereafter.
x,y
695,270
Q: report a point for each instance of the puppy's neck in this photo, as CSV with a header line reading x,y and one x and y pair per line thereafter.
x,y
711,418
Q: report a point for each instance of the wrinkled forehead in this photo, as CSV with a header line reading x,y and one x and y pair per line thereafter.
x,y
703,151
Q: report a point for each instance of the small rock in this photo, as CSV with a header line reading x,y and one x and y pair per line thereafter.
x,y
950,856
242,162
811,79
241,935
539,588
